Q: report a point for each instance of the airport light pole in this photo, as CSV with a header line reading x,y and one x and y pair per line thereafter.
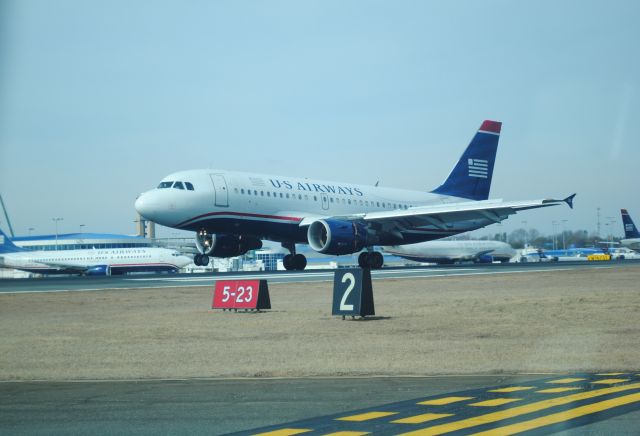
x,y
554,223
564,246
525,233
55,220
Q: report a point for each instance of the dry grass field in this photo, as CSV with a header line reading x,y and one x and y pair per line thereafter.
x,y
578,320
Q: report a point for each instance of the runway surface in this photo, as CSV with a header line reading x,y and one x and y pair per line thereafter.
x,y
585,404
65,284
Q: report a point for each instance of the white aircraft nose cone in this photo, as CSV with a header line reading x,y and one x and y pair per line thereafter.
x,y
145,206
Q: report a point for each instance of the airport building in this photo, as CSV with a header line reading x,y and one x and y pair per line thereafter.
x,y
80,241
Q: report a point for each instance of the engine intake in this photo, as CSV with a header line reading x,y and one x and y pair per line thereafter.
x,y
337,237
223,245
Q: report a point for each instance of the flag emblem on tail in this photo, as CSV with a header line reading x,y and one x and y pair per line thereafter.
x,y
478,168
629,227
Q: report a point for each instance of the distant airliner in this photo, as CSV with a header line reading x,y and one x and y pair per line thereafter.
x,y
445,252
232,211
631,234
91,261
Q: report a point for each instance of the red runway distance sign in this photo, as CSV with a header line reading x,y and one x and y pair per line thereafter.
x,y
236,294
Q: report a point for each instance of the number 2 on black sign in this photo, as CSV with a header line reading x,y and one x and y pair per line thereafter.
x,y
352,280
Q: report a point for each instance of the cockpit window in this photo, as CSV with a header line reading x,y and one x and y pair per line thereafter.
x,y
178,185
189,186
164,185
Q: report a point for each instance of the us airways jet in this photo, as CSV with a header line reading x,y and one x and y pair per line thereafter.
x,y
631,233
232,212
90,261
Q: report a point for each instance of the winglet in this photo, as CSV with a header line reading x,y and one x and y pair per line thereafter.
x,y
569,200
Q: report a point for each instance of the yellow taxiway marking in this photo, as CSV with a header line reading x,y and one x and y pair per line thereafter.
x,y
495,402
562,416
348,433
419,419
610,381
285,432
520,410
609,374
556,390
443,401
366,416
512,389
566,380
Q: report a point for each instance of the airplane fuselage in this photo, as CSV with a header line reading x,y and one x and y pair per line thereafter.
x,y
273,207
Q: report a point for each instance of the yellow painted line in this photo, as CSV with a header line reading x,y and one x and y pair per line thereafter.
x,y
609,374
512,389
556,418
556,390
366,416
566,380
495,402
419,419
610,381
285,432
348,433
443,401
520,410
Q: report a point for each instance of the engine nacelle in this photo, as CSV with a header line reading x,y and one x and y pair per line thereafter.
x,y
223,245
337,237
98,270
484,258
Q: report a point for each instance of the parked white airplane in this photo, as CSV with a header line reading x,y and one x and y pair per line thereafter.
x,y
91,261
454,251
233,211
631,234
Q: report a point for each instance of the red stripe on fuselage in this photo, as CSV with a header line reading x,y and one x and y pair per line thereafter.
x,y
251,215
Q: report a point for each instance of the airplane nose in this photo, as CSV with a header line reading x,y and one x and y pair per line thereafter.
x,y
145,206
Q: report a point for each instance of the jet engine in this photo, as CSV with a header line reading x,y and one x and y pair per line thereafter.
x,y
336,237
98,270
223,245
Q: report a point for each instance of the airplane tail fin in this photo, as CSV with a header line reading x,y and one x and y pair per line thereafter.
x,y
6,245
630,229
471,177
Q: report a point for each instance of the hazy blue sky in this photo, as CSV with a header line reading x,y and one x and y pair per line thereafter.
x,y
101,99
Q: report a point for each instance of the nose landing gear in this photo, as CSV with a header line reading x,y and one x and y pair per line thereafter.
x,y
201,260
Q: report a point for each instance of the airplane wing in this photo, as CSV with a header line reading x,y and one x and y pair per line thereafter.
x,y
444,216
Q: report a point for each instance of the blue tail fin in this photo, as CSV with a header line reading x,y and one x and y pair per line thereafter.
x,y
630,229
6,246
471,177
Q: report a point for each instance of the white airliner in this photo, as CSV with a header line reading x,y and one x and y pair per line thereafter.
x,y
232,212
91,261
445,252
631,233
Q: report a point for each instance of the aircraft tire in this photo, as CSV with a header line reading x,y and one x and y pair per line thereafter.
x,y
376,260
204,260
196,260
299,262
287,262
363,260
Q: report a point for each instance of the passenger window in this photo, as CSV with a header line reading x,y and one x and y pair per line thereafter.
x,y
178,185
315,198
242,191
349,201
268,193
281,195
164,185
255,192
236,190
331,199
299,196
287,195
262,193
190,186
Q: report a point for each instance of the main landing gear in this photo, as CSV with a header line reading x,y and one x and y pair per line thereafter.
x,y
293,261
201,260
370,259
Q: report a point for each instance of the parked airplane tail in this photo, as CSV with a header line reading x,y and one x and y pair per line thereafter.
x,y
6,245
630,229
471,177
